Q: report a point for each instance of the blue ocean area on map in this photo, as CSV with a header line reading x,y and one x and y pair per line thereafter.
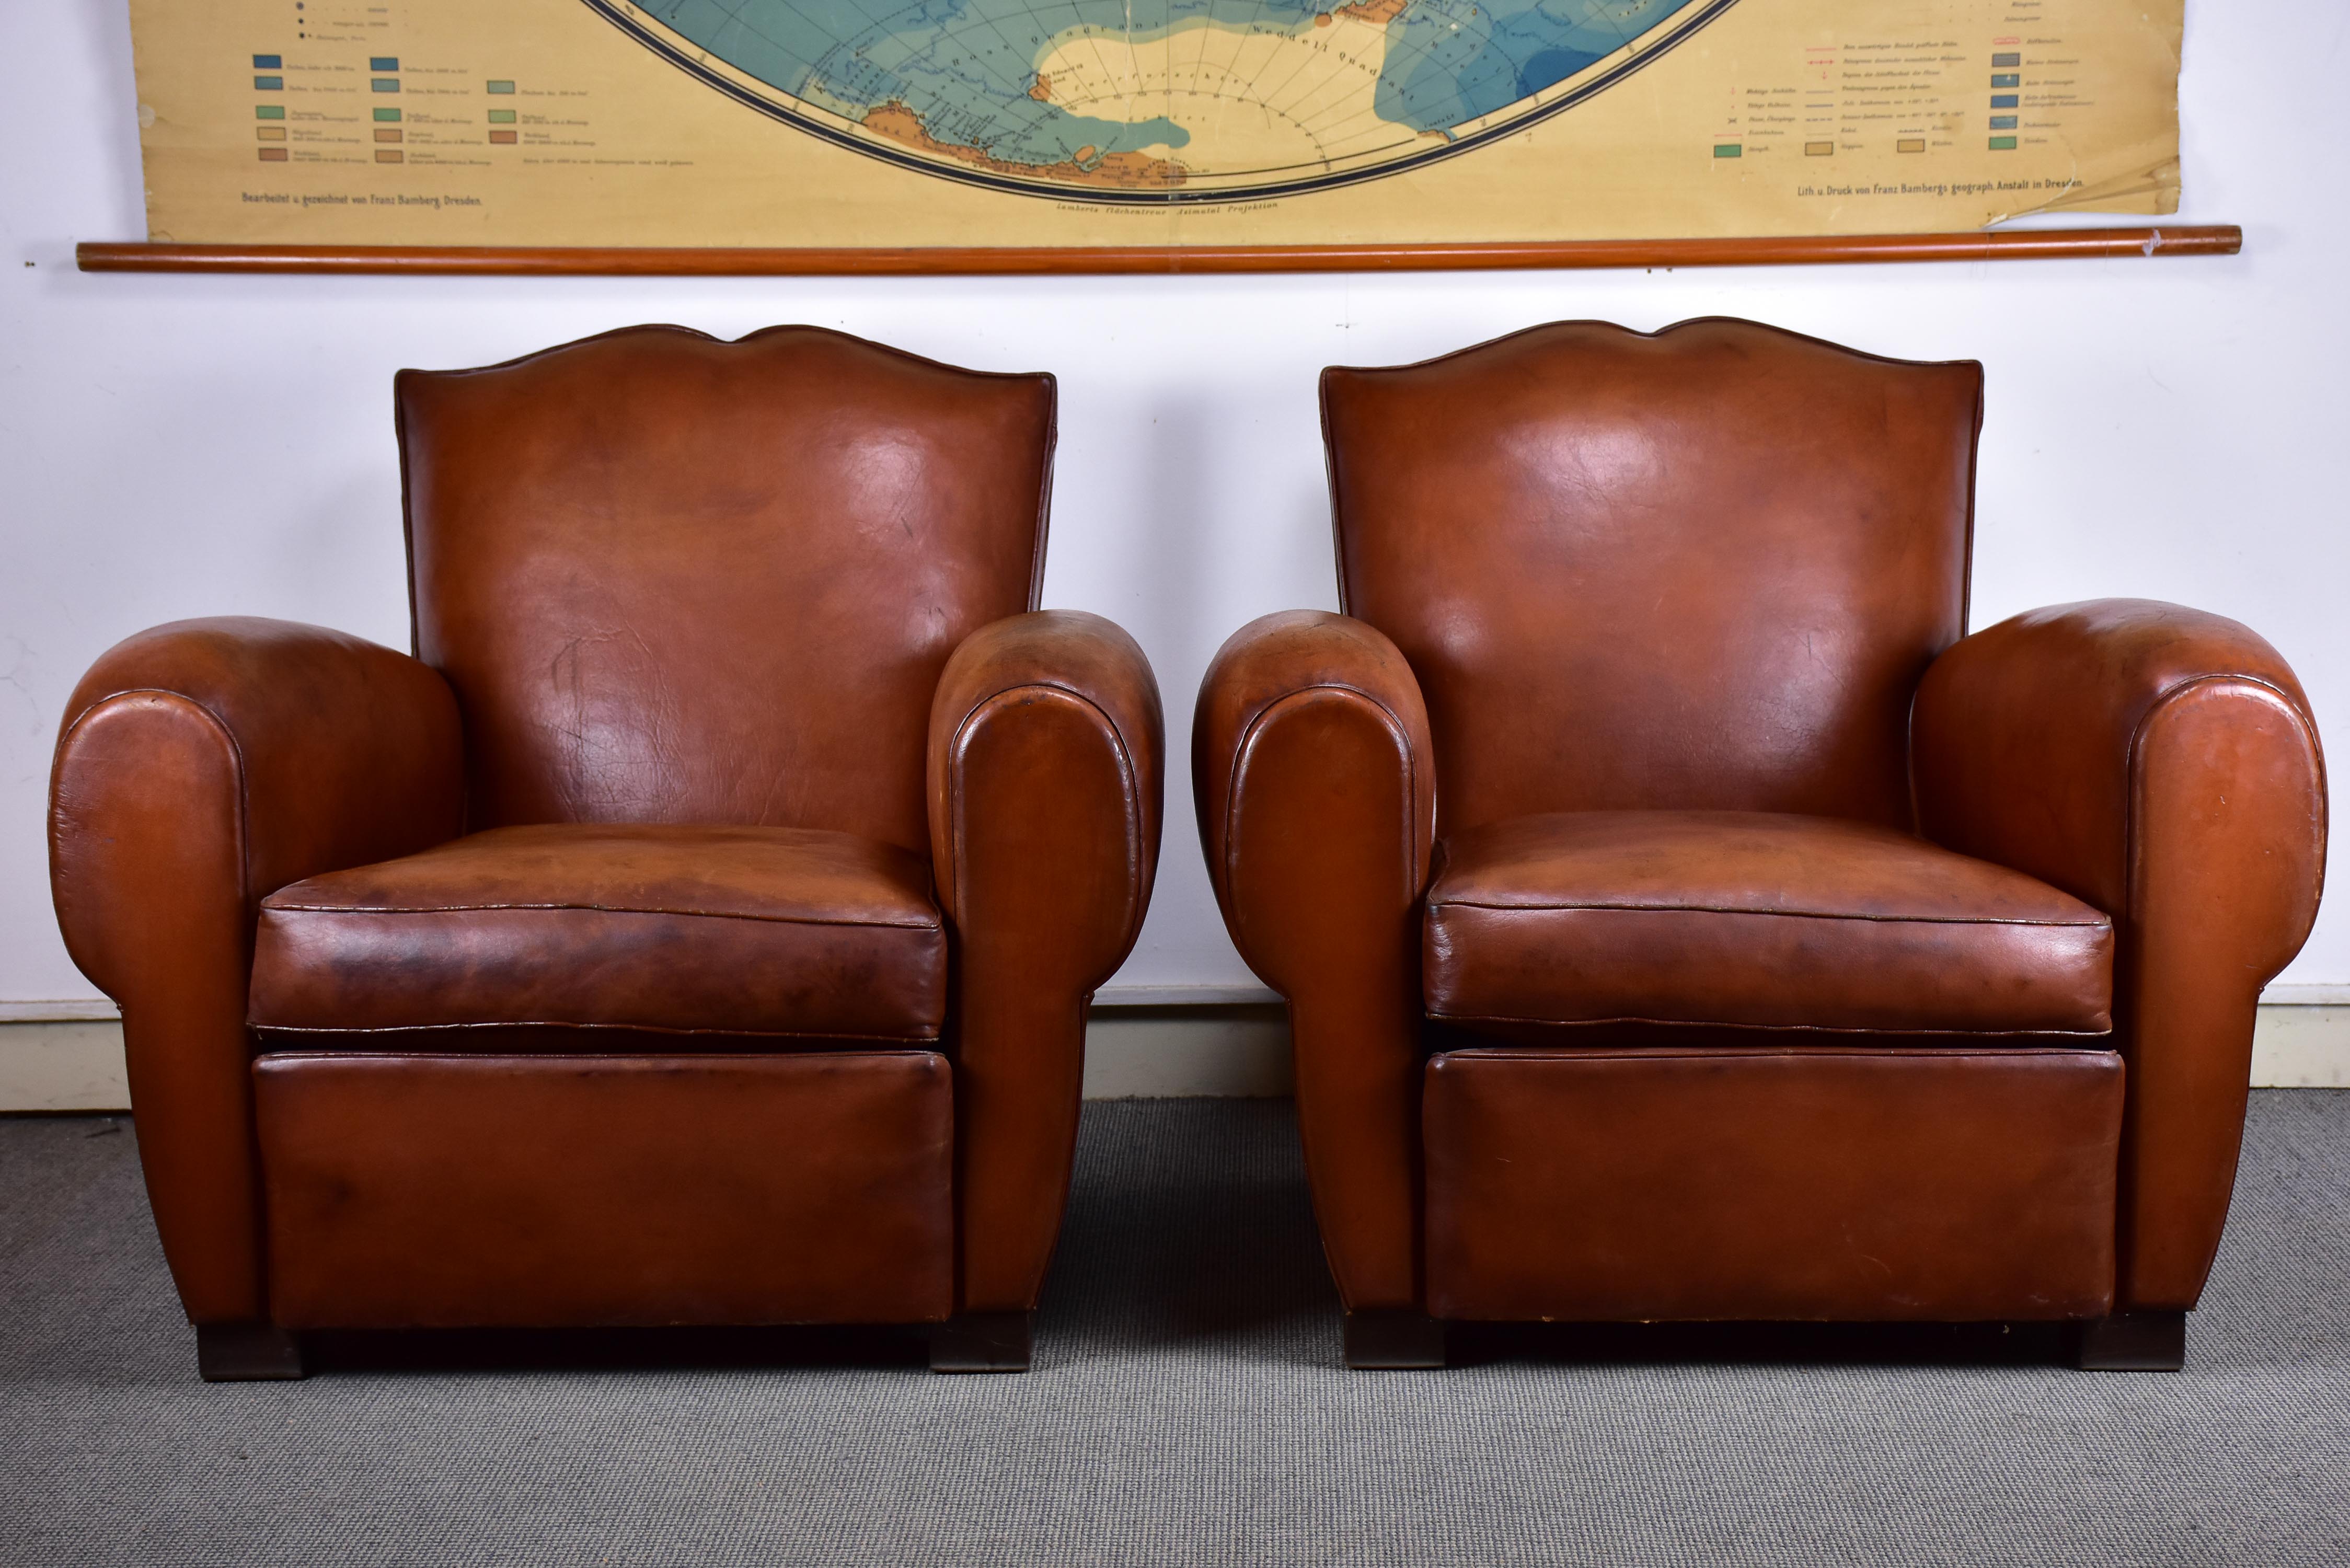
x,y
966,69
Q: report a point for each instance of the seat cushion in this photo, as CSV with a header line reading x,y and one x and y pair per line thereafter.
x,y
742,931
1753,919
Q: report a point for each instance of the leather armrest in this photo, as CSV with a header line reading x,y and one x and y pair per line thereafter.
x,y
1046,787
1316,785
201,766
2162,765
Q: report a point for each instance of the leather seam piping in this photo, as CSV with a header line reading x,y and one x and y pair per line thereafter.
x,y
277,1058
1772,1028
1129,791
1702,1054
276,909
555,1023
1435,907
1413,878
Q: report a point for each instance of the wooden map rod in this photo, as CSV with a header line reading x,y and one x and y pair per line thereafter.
x,y
442,261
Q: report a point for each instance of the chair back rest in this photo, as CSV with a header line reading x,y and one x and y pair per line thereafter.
x,y
1703,568
675,579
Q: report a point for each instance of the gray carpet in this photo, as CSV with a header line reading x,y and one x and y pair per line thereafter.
x,y
1187,1407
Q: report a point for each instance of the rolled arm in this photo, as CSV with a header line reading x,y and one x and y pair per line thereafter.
x,y
203,765
1046,788
2162,765
1316,787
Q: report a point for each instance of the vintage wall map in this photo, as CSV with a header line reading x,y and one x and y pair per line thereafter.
x,y
1144,123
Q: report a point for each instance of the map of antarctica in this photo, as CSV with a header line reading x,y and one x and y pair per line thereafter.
x,y
1037,124
1169,98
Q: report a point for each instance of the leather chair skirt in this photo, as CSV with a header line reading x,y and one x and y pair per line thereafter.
x,y
478,1190
1935,1184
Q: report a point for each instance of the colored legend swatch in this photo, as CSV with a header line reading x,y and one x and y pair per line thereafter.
x,y
2004,99
269,111
502,117
268,62
389,155
269,84
2002,122
503,138
269,132
1818,149
1730,150
384,63
500,87
272,154
2005,62
383,135
2006,78
392,115
384,84
1910,144
2003,144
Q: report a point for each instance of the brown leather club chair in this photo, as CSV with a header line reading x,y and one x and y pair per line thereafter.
x,y
1681,920
698,929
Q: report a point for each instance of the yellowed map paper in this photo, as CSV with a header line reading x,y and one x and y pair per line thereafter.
x,y
1142,122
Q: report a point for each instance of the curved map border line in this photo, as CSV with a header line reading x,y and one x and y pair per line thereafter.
x,y
945,169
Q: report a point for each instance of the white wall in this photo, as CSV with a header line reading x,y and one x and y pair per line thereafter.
x,y
177,446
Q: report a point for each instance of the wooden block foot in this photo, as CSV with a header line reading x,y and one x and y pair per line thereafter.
x,y
1393,1341
2132,1342
983,1341
248,1352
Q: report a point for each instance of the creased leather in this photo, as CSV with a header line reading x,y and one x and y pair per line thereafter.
x,y
1698,570
452,1191
1046,788
773,931
1316,788
675,579
1933,1184
201,765
2161,764
1706,570
1756,920
661,583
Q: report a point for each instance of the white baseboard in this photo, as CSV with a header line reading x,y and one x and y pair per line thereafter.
x,y
1159,1051
1167,1053
57,1012
2303,1045
59,1066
